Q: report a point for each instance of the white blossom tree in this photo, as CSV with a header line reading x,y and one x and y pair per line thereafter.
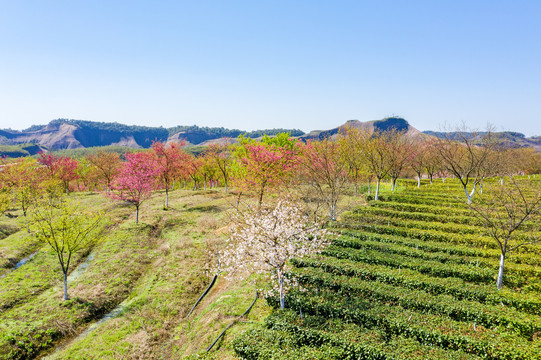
x,y
263,241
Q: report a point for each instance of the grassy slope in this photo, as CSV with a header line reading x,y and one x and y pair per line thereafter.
x,y
152,273
154,270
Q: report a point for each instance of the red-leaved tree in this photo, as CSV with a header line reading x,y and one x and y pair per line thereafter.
x,y
171,160
63,169
136,180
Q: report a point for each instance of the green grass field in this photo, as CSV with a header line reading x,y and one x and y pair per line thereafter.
x,y
408,277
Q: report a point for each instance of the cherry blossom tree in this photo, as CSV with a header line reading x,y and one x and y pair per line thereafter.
x,y
418,160
376,155
136,180
25,179
195,170
263,241
399,150
170,158
63,169
220,153
352,142
209,170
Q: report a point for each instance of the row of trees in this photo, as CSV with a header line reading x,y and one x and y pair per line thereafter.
x,y
322,170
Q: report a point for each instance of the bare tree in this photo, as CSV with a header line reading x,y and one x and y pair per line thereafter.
x,y
399,149
464,154
503,210
327,173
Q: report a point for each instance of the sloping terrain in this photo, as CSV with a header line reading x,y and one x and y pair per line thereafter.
x,y
410,277
130,295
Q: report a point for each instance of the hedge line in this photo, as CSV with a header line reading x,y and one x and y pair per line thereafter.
x,y
455,287
434,268
468,311
397,321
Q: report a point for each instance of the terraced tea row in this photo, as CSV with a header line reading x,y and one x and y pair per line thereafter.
x,y
418,269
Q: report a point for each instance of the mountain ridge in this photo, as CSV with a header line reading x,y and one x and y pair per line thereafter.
x,y
60,134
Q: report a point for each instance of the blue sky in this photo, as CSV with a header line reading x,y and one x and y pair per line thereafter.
x,y
269,64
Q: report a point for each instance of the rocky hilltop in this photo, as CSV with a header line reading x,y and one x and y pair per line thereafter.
x,y
76,134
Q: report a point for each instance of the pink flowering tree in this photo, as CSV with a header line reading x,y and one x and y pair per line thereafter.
x,y
263,241
63,169
136,180
172,159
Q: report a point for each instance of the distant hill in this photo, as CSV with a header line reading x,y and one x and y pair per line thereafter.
x,y
511,138
70,134
397,123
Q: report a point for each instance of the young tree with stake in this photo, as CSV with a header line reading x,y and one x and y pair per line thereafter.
x,y
67,230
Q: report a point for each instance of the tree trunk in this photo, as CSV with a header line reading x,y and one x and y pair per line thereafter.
x,y
66,286
500,271
332,212
376,197
418,181
369,187
501,181
443,179
225,186
282,297
260,201
166,198
238,199
26,222
137,214
467,194
393,184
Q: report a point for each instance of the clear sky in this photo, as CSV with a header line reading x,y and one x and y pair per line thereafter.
x,y
268,64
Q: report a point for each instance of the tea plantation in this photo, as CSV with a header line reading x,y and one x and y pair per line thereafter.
x,y
412,276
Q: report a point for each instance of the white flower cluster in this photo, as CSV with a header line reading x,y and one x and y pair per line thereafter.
x,y
263,241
